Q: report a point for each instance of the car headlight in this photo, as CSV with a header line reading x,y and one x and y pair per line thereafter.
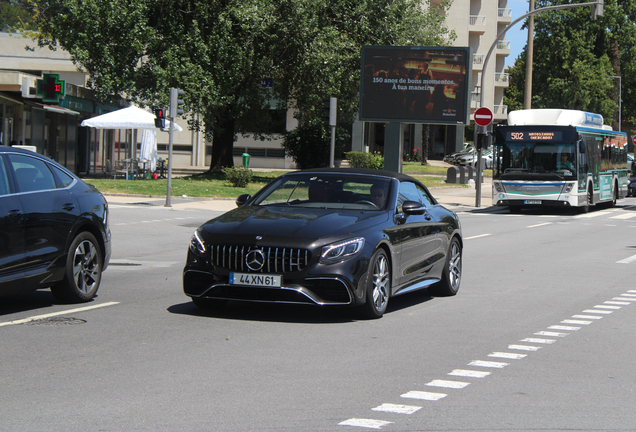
x,y
196,244
341,251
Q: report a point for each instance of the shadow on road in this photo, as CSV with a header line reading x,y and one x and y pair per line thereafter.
x,y
290,313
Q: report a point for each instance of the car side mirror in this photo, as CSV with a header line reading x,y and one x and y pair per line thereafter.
x,y
413,208
242,199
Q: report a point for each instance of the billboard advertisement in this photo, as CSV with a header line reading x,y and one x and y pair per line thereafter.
x,y
415,84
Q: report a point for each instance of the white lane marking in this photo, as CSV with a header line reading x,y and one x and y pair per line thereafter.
x,y
605,312
629,295
365,423
398,409
413,394
628,260
623,216
580,322
469,373
625,299
592,215
607,307
447,384
551,334
565,328
538,340
488,364
631,291
513,356
616,303
477,236
538,225
68,311
524,347
587,317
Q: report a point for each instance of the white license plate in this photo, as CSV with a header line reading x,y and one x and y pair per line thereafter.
x,y
263,280
532,202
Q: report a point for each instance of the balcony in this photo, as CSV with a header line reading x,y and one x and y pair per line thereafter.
x,y
478,61
500,112
503,47
504,15
477,24
501,79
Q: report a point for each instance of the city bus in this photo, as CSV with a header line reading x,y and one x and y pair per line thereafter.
x,y
558,158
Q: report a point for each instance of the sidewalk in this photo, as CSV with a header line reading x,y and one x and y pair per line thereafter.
x,y
454,198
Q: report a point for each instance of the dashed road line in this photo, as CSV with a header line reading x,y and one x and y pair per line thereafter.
x,y
538,225
578,319
448,384
477,236
469,373
628,260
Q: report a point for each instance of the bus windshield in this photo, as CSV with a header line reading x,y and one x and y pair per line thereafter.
x,y
534,158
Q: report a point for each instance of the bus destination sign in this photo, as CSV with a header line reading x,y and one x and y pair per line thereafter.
x,y
534,136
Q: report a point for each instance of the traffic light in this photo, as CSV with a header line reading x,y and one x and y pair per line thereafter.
x,y
597,9
329,106
176,102
160,118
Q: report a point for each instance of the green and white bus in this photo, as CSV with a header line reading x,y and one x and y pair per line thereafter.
x,y
559,158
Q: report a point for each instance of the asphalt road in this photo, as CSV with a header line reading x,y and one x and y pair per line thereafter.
x,y
540,337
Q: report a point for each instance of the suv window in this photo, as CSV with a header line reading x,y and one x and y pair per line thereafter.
x,y
31,174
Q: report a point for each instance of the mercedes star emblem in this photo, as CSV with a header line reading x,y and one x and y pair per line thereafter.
x,y
255,259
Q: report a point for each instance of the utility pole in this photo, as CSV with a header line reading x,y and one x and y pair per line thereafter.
x,y
527,93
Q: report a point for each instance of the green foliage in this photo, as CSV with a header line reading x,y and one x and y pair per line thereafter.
x,y
238,176
219,52
15,16
309,144
365,160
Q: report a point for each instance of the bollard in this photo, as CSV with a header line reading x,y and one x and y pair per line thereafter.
x,y
451,175
462,175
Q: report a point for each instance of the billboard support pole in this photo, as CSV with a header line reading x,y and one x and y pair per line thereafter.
x,y
393,147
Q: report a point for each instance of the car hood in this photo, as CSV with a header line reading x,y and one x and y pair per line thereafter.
x,y
306,223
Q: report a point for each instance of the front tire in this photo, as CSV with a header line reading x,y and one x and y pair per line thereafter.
x,y
378,285
452,274
83,272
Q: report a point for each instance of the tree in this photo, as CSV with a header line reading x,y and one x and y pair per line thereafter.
x,y
575,58
219,52
14,14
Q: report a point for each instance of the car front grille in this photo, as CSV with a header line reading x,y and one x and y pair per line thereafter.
x,y
277,260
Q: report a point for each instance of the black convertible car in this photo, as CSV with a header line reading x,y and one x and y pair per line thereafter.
x,y
327,237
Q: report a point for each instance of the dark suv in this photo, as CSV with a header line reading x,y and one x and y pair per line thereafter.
x,y
53,228
631,182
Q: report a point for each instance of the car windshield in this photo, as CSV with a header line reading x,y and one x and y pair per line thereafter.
x,y
330,191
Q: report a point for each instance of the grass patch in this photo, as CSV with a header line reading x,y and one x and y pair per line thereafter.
x,y
213,185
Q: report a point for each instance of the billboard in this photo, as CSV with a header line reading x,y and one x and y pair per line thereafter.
x,y
415,84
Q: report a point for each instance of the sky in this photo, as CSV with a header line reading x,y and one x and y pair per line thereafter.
x,y
517,37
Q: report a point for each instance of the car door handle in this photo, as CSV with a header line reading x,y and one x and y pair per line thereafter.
x,y
68,206
427,216
16,213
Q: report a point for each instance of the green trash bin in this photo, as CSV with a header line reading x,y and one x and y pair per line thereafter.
x,y
246,160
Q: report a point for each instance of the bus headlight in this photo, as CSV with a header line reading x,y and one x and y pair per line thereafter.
x,y
568,187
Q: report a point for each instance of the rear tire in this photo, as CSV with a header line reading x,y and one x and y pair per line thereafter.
x,y
83,271
452,274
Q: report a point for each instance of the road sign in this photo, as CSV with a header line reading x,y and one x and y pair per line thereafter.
x,y
483,116
634,139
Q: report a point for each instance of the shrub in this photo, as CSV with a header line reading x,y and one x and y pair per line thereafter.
x,y
365,160
309,144
238,176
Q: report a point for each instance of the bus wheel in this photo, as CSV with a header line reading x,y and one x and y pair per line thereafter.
x,y
588,202
614,195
